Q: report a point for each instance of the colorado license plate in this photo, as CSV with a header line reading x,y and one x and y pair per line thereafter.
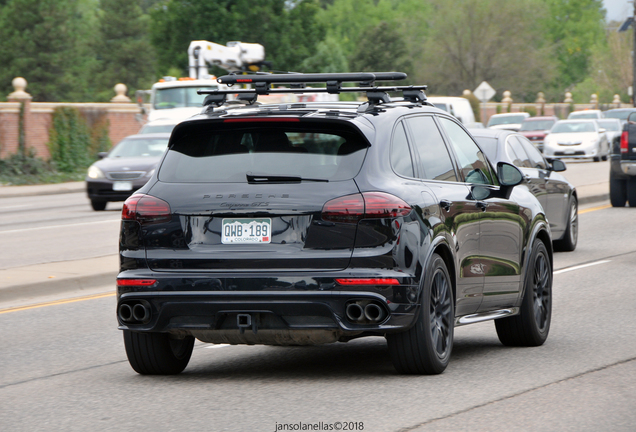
x,y
246,231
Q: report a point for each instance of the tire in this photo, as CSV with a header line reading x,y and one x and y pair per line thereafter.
x,y
631,191
604,158
571,235
532,325
157,353
98,205
596,159
426,347
618,192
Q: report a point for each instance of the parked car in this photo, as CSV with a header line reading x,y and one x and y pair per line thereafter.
x,y
124,169
623,166
314,223
619,113
536,128
509,121
576,139
613,128
457,106
158,126
585,114
542,177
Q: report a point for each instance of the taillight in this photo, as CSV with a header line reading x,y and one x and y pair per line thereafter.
x,y
136,282
369,205
368,281
624,139
146,209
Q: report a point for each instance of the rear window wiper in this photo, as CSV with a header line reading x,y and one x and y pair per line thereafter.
x,y
266,178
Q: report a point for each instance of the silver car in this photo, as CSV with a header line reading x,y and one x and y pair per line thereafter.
x,y
576,139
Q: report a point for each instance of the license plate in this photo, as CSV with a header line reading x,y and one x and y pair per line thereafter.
x,y
246,231
569,152
122,186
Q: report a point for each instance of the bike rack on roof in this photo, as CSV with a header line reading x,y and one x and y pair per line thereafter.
x,y
298,84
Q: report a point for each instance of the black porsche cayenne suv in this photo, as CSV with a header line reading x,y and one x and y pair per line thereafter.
x,y
311,223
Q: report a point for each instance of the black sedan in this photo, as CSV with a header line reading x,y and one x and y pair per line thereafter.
x,y
124,169
556,194
322,222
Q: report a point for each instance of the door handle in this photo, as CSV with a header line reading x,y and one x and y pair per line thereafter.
x,y
445,204
482,205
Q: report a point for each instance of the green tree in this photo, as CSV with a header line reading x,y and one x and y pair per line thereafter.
x,y
574,27
288,31
381,48
124,52
46,42
497,41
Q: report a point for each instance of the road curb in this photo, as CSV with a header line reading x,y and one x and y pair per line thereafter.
x,y
593,199
59,286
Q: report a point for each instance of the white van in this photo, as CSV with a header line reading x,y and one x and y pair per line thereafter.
x,y
457,106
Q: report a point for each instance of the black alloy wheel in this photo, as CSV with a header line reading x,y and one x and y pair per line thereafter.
x,y
618,191
532,325
426,347
570,237
157,353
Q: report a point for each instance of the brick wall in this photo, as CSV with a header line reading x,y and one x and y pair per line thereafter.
x,y
38,116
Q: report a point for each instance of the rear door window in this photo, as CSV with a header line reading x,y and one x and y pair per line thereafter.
x,y
401,160
516,153
230,151
434,160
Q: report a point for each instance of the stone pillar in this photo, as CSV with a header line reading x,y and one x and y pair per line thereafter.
x,y
121,97
594,100
19,95
616,101
568,98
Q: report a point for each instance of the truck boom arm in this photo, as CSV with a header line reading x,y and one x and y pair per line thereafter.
x,y
236,56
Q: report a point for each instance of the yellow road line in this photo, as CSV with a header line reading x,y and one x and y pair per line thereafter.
x,y
56,302
595,208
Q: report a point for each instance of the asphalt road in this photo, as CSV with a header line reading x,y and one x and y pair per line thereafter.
x,y
63,367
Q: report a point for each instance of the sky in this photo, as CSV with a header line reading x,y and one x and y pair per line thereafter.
x,y
618,10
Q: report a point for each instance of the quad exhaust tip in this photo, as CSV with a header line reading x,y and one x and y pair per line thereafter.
x,y
134,312
365,312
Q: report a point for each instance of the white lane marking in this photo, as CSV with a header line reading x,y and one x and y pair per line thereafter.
x,y
580,267
216,346
58,226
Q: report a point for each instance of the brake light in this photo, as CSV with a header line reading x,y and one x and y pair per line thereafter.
x,y
261,119
369,205
146,209
624,140
136,282
368,281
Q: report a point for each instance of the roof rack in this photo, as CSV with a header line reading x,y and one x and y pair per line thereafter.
x,y
297,84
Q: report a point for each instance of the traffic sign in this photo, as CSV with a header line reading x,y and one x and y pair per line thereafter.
x,y
484,92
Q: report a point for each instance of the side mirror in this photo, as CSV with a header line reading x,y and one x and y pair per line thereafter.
x,y
102,155
557,165
602,130
508,174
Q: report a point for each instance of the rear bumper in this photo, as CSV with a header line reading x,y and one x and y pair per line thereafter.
x,y
282,317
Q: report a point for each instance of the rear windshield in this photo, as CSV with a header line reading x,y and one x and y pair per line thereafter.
x,y
152,147
621,115
511,119
584,115
573,127
535,125
609,125
229,152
